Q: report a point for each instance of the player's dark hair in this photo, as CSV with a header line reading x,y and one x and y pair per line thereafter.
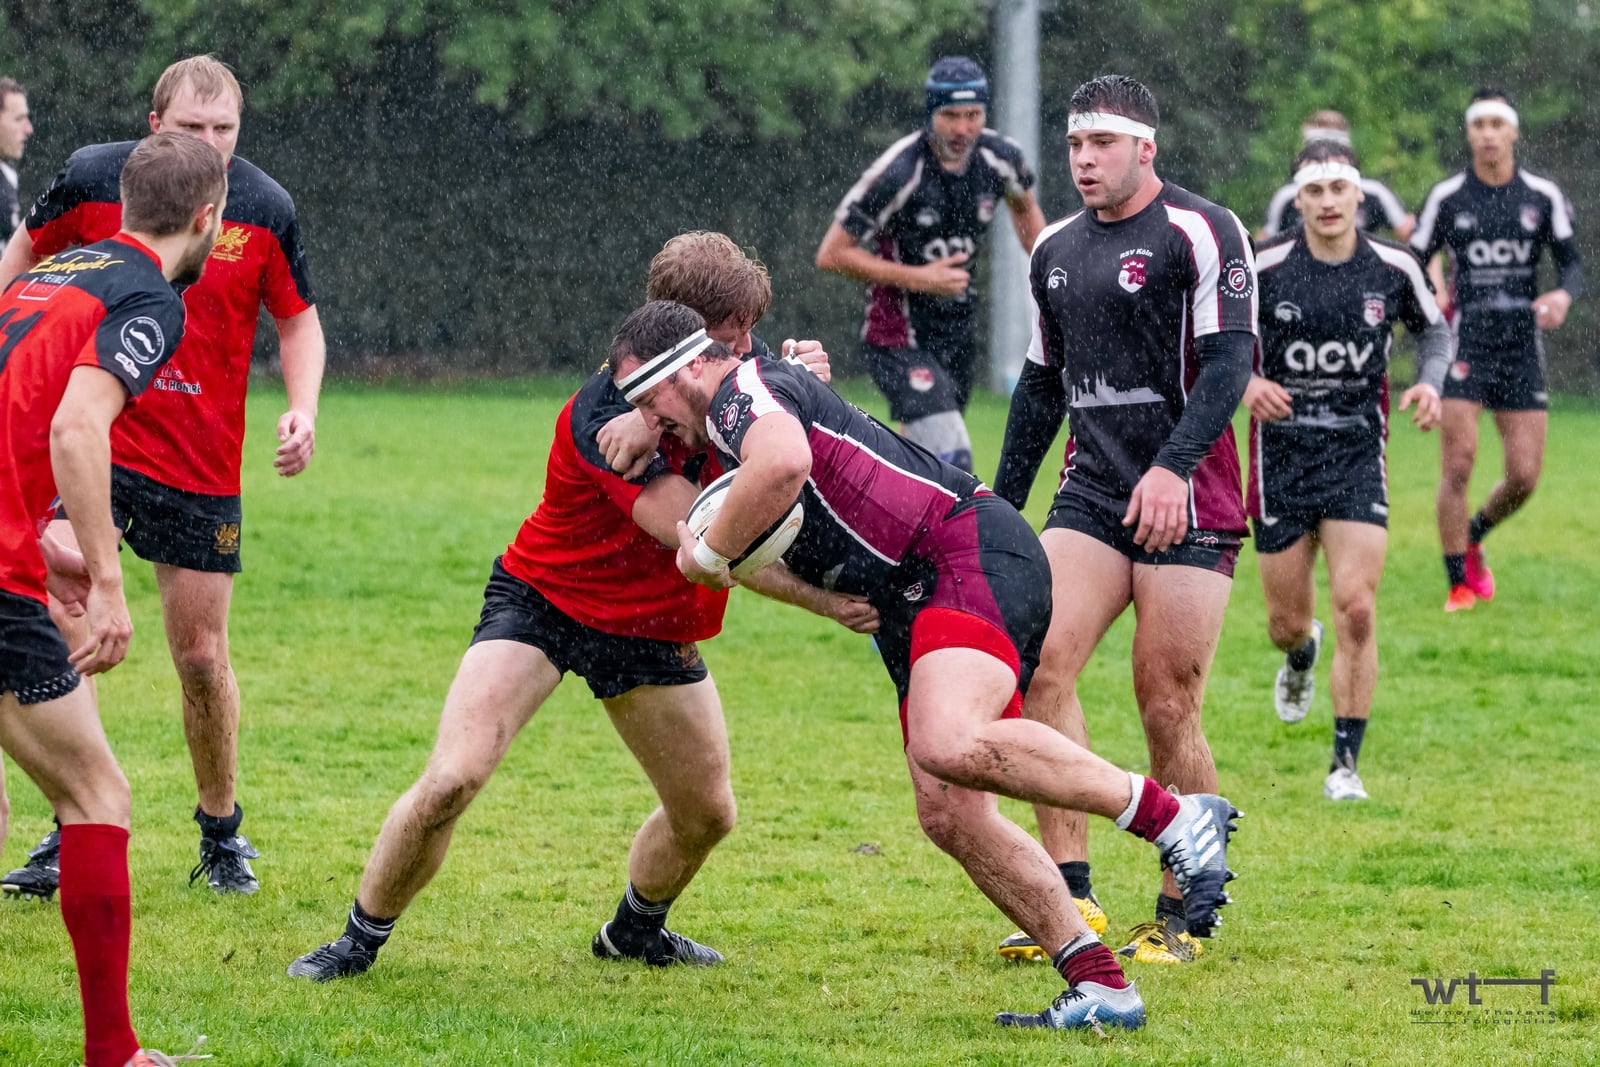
x,y
657,327
1324,152
1116,94
1491,92
9,86
711,274
207,75
167,178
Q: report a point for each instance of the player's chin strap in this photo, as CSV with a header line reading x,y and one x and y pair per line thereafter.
x,y
657,369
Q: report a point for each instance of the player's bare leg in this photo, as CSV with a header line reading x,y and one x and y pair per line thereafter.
x,y
1287,582
1522,436
1355,553
1458,452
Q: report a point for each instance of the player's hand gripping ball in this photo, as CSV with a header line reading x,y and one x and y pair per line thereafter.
x,y
773,542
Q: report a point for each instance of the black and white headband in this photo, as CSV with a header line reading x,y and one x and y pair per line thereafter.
x,y
657,369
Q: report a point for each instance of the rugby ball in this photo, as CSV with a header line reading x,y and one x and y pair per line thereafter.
x,y
765,549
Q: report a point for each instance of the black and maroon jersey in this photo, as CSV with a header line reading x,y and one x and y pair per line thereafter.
x,y
581,547
1495,236
1380,210
917,212
872,494
189,433
1119,307
107,306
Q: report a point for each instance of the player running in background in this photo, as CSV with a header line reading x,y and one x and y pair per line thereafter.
x,y
1319,406
175,484
1379,209
84,332
1495,220
1146,322
963,595
924,204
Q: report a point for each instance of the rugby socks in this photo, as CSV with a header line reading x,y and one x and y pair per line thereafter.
x,y
1085,959
638,921
1170,910
1479,529
219,828
98,914
1303,656
368,931
1347,737
1150,810
1455,569
1076,874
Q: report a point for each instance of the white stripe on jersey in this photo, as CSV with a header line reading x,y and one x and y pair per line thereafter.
x,y
1407,264
1036,335
879,165
1385,197
881,461
1560,212
1430,211
1205,297
1006,171
1280,200
1274,256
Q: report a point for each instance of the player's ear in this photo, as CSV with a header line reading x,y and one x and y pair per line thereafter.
x,y
155,122
1147,152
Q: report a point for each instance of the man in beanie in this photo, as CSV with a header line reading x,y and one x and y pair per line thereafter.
x,y
921,206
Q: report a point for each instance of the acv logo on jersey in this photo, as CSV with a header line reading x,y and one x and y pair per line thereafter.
x,y
1329,357
1499,252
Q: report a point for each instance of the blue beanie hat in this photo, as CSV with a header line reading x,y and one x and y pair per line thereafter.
x,y
955,80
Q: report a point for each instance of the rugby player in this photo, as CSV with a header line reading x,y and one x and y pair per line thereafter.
x,y
1379,209
1495,220
1319,407
962,590
15,129
924,204
175,484
1146,318
85,331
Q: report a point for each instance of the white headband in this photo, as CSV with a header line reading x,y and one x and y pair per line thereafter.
x,y
658,369
1331,171
1105,122
1488,108
1323,133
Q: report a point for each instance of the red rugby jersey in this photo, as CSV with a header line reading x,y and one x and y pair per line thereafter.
x,y
581,547
189,432
107,306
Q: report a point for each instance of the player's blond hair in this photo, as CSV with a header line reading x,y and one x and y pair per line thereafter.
x,y
1327,119
207,75
708,272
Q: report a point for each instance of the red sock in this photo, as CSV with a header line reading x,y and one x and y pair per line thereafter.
x,y
96,908
1157,809
1095,963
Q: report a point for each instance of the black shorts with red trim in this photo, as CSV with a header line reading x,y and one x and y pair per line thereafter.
x,y
33,654
1211,550
921,382
612,665
1500,379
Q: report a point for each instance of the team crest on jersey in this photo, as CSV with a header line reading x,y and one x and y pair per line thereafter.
x,y
1057,279
1286,311
1530,217
1466,220
1373,310
230,244
1236,280
1132,274
986,206
920,379
734,410
914,592
927,217
225,539
1459,370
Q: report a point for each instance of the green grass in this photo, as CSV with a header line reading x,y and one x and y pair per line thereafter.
x,y
1477,852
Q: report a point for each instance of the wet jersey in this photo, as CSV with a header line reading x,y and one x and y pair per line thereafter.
x,y
916,212
189,432
1495,236
1119,306
872,495
106,305
581,547
1381,210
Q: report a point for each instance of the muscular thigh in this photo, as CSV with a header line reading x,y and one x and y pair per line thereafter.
x,y
678,735
497,688
1179,612
1092,584
1355,553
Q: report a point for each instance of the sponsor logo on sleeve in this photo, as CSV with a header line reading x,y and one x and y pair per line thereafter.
x,y
142,339
1236,281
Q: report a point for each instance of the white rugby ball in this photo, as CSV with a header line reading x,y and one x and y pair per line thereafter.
x,y
766,548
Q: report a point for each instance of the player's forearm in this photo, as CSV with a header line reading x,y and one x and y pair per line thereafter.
x,y
1027,218
777,582
1225,360
853,261
303,353
18,258
1436,347
1569,266
1038,404
80,456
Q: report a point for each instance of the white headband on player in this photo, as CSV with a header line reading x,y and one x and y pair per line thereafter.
x,y
658,369
1105,122
1491,108
1323,133
1331,171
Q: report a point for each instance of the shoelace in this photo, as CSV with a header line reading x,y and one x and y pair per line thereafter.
x,y
215,853
161,1059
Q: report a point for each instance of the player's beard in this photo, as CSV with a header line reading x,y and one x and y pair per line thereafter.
x,y
193,263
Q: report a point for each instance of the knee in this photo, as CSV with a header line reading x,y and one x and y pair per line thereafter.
x,y
1521,481
1168,715
1287,630
444,793
99,796
949,759
1356,621
202,663
708,821
944,825
1456,472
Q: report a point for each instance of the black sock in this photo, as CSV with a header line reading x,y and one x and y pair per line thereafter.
x,y
1303,656
1170,910
1479,528
368,931
1347,735
219,828
638,921
1455,568
1076,874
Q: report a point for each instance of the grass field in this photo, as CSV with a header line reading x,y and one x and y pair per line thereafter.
x,y
1478,852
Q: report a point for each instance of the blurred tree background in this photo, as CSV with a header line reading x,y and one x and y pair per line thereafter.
x,y
482,182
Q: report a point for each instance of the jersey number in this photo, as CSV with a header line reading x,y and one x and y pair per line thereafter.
x,y
940,247
14,330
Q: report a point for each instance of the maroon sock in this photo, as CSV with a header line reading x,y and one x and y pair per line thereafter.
x,y
1090,962
99,917
1157,808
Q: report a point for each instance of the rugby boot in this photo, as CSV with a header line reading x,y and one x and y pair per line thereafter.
x,y
149,1057
1461,598
1344,784
1157,942
38,878
1194,846
1085,1006
1292,692
1019,946
1480,579
667,949
225,865
337,959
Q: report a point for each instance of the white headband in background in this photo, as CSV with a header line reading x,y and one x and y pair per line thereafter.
x,y
1489,108
1105,122
1331,171
659,368
1323,133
